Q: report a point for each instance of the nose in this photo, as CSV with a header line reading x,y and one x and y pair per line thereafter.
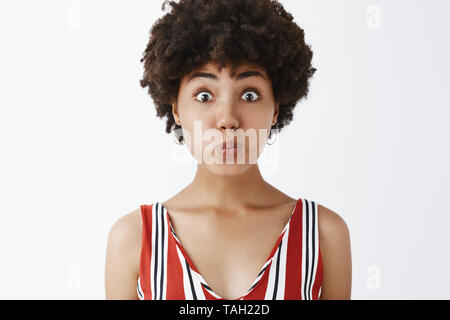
x,y
226,116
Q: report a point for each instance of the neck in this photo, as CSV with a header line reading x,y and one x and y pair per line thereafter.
x,y
230,191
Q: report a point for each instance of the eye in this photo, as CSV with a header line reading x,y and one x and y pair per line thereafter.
x,y
202,95
250,95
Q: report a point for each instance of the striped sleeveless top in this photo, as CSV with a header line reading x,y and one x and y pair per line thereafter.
x,y
293,270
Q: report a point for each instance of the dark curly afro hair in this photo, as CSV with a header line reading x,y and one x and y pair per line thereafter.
x,y
228,33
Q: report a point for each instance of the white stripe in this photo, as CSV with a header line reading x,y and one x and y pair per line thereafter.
x,y
186,284
311,249
310,262
159,240
271,281
316,246
139,289
164,254
198,286
304,215
282,273
152,259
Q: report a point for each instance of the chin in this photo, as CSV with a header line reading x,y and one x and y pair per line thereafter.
x,y
228,169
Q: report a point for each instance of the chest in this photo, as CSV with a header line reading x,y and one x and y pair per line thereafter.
x,y
229,252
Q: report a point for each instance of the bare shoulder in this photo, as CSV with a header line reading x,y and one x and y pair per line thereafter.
x,y
334,239
125,235
122,256
127,228
331,224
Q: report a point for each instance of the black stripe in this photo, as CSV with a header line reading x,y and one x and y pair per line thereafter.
x,y
313,248
206,286
162,255
305,285
188,269
139,291
253,286
275,289
155,294
258,279
262,271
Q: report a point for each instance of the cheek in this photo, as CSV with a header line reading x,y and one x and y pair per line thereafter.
x,y
259,118
260,122
188,115
195,122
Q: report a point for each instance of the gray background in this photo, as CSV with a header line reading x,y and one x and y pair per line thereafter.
x,y
81,145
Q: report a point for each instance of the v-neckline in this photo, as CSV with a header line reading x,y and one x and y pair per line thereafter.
x,y
262,271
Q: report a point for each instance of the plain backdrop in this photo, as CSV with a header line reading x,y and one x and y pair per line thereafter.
x,y
81,144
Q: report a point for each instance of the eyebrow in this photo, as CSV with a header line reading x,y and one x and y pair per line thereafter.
x,y
240,76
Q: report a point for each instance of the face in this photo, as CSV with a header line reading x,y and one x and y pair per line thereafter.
x,y
213,108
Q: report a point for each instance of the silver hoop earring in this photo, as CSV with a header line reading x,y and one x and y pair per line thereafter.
x,y
276,136
176,138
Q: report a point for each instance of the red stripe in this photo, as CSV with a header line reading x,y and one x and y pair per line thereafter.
x,y
146,250
293,285
175,289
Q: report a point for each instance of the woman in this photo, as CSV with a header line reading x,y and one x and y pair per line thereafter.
x,y
228,70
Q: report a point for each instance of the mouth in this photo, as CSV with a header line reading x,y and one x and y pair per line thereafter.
x,y
229,147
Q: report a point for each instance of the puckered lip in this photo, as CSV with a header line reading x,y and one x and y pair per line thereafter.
x,y
229,144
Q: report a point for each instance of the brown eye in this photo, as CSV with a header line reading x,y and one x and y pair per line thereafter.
x,y
250,96
203,96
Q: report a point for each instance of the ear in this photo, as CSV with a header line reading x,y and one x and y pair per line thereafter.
x,y
277,111
175,113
